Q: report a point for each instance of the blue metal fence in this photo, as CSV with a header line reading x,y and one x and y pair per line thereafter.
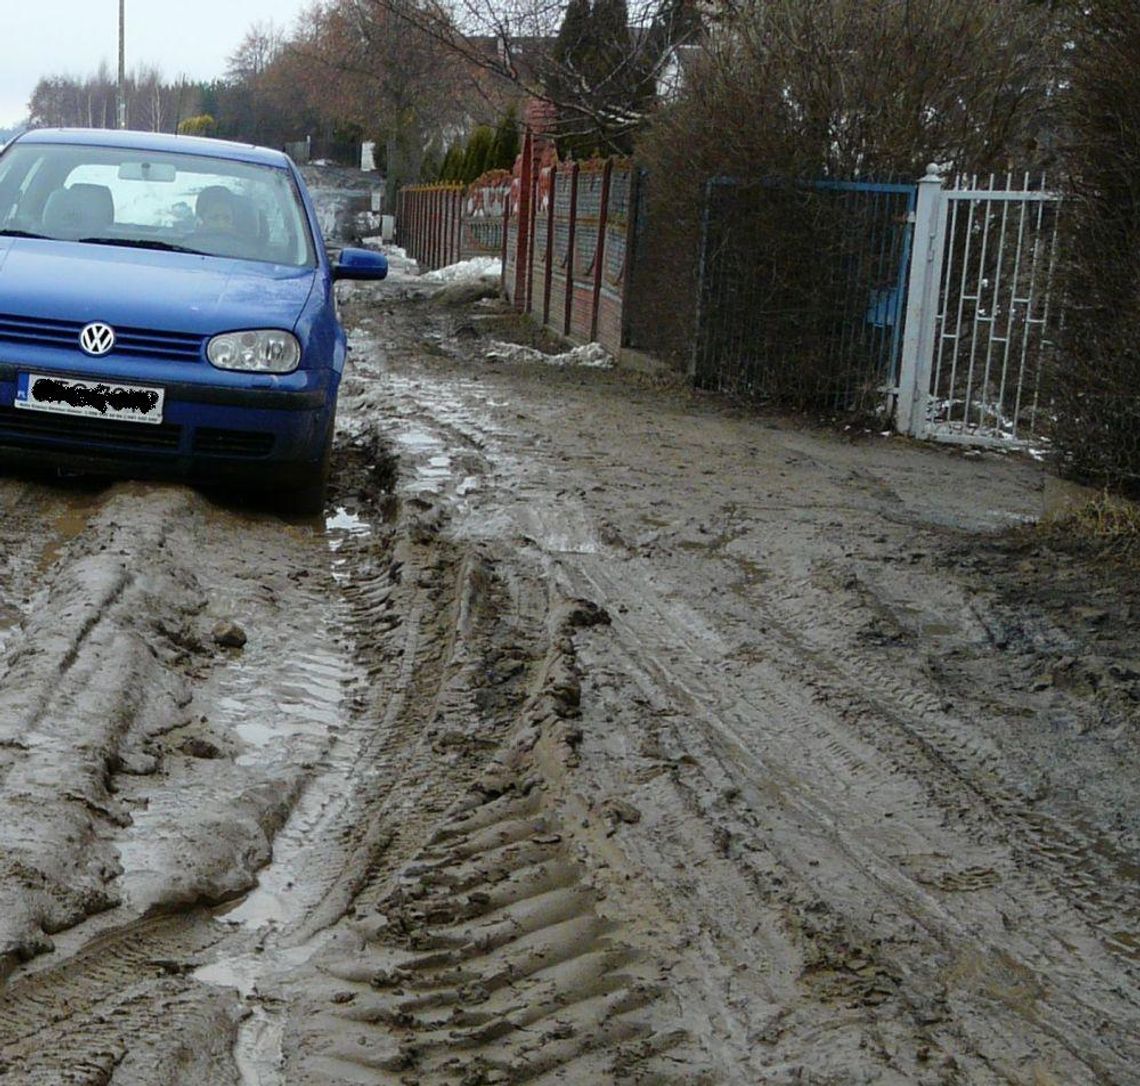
x,y
802,290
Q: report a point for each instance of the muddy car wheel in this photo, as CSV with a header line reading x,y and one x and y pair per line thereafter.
x,y
307,497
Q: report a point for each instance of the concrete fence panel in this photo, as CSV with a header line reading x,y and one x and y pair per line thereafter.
x,y
562,230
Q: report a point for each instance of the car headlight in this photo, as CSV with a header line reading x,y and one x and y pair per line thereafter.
x,y
262,350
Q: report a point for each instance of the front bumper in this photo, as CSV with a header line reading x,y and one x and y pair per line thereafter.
x,y
250,428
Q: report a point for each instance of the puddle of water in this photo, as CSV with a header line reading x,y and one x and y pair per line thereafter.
x,y
68,522
284,895
347,523
291,719
436,472
418,440
343,525
258,1052
301,718
434,466
259,1049
9,619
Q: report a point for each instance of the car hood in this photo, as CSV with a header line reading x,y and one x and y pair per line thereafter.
x,y
138,288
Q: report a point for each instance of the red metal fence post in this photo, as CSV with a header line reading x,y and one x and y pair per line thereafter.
x,y
438,255
548,273
462,199
412,241
528,301
405,224
567,316
447,209
442,202
436,228
600,248
454,225
418,254
503,246
453,202
523,248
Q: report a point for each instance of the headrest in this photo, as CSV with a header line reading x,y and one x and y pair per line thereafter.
x,y
79,210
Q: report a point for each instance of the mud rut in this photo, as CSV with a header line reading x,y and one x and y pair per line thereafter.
x,y
593,739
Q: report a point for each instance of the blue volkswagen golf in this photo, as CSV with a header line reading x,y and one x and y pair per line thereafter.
x,y
167,308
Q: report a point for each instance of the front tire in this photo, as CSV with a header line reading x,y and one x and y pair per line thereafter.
x,y
307,496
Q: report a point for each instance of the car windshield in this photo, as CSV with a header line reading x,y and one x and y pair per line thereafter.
x,y
153,200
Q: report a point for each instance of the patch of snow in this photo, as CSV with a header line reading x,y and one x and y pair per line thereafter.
x,y
480,267
588,354
402,266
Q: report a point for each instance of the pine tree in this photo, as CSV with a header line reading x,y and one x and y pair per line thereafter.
x,y
475,157
505,148
452,168
597,82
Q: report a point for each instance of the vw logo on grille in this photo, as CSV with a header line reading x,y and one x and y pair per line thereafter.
x,y
97,338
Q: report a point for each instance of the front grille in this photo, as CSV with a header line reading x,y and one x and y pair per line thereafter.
x,y
20,427
129,342
217,442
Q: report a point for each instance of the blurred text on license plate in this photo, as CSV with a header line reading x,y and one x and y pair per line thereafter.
x,y
92,399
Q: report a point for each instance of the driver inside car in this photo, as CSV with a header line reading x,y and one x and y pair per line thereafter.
x,y
215,209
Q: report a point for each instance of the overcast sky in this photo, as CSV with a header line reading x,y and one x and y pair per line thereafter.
x,y
70,37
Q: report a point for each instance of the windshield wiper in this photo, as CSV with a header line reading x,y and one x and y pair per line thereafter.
x,y
141,243
22,234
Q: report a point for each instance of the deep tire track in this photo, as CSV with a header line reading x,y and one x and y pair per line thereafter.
x,y
759,733
1078,866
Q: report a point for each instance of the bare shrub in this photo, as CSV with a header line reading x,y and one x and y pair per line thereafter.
x,y
1097,387
839,89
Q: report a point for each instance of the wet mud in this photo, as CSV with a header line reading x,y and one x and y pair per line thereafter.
x,y
598,733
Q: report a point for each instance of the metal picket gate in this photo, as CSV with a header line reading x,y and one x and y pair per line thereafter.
x,y
981,310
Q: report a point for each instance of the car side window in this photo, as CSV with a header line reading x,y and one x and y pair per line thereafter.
x,y
21,191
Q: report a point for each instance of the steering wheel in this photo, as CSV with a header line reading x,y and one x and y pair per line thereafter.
x,y
219,243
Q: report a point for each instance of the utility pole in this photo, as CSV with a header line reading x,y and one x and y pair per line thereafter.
x,y
122,103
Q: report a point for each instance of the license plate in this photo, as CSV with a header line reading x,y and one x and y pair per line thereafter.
x,y
91,399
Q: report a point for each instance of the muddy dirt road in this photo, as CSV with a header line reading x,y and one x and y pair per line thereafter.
x,y
599,734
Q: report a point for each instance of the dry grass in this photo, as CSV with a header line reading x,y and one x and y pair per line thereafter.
x,y
1108,524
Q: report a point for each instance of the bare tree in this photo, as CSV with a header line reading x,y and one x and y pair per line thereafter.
x,y
593,73
52,102
259,48
362,65
148,103
99,94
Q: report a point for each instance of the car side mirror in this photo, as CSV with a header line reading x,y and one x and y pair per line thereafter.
x,y
360,264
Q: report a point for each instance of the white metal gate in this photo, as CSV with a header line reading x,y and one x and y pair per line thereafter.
x,y
980,312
